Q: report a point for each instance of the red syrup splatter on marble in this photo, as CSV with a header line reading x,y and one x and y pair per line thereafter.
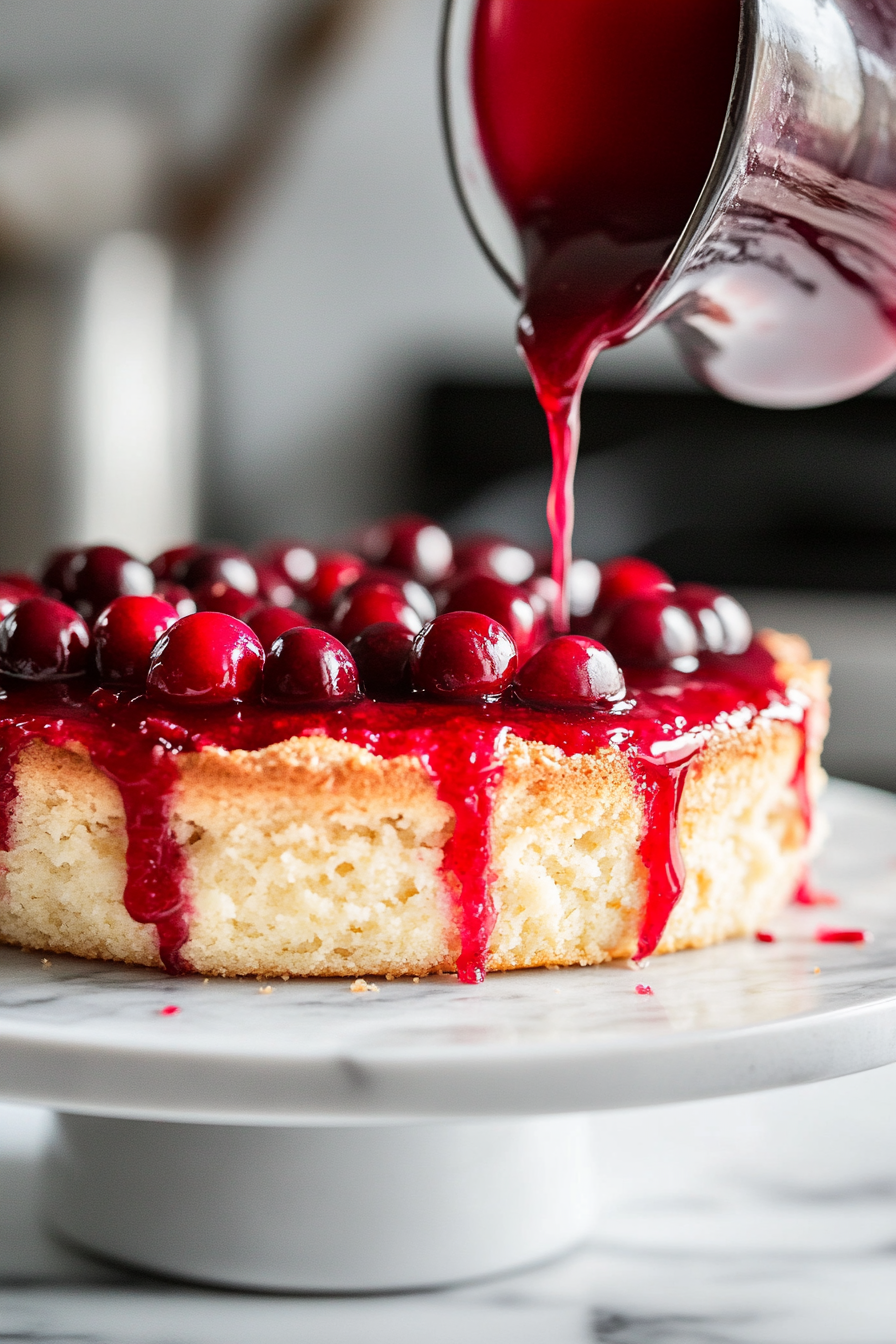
x,y
599,122
826,935
136,744
763,937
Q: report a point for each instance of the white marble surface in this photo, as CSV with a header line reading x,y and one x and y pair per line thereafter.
x,y
768,1219
90,1037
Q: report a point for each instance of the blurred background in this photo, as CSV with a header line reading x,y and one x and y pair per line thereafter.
x,y
237,299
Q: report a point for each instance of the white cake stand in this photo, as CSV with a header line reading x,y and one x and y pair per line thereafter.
x,y
309,1138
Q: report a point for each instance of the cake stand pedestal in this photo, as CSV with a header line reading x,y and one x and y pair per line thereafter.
x,y
323,1209
300,1137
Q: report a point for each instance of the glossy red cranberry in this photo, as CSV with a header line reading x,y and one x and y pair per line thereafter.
x,y
125,635
10,597
416,596
371,605
628,577
172,564
272,587
542,590
571,672
382,653
44,640
485,553
27,586
721,621
180,597
463,655
584,587
222,564
335,570
61,571
307,666
294,561
651,632
109,572
221,597
510,606
205,659
269,623
410,542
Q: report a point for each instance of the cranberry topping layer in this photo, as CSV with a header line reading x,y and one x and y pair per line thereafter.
x,y
660,728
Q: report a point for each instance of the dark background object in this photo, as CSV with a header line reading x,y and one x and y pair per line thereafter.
x,y
730,494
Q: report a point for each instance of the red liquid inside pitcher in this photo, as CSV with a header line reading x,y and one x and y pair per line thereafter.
x,y
599,121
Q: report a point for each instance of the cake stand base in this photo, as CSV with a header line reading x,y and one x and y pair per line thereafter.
x,y
355,1208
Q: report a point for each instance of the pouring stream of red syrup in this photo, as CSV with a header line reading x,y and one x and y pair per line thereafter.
x,y
137,744
599,122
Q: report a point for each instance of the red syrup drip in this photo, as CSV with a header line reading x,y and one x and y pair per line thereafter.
x,y
466,768
145,773
763,937
137,745
660,851
800,784
599,121
807,894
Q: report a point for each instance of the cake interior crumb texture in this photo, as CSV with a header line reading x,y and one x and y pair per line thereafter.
x,y
315,857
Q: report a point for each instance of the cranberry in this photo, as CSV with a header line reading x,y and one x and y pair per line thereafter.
x,y
173,564
180,597
272,587
10,597
221,597
109,572
416,596
723,623
370,605
543,592
571,672
382,654
335,570
307,666
487,554
294,561
60,573
126,633
628,577
463,655
43,640
584,587
410,542
269,623
651,632
205,659
222,564
510,606
27,586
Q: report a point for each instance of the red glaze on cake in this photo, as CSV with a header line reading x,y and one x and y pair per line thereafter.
x,y
660,727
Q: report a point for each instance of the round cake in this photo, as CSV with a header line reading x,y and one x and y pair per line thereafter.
x,y
384,760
